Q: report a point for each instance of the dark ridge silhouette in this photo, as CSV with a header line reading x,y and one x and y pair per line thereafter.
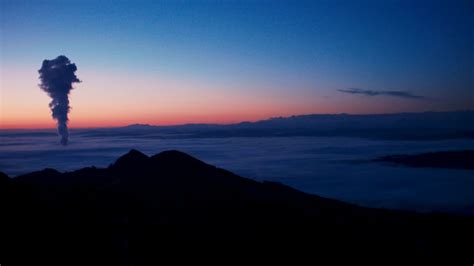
x,y
142,210
463,159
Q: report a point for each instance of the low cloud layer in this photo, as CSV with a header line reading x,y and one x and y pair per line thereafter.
x,y
400,94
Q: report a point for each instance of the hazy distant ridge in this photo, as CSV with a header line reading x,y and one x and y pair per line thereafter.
x,y
413,126
427,125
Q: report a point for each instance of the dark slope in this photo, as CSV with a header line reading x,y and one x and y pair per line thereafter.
x,y
143,209
463,159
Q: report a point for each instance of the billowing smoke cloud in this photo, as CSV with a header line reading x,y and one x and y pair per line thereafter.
x,y
57,77
401,94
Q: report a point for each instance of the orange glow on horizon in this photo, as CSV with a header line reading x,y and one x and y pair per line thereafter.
x,y
166,120
119,99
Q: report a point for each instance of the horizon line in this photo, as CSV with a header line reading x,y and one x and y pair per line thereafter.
x,y
239,122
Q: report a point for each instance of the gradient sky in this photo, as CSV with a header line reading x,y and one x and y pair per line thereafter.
x,y
172,62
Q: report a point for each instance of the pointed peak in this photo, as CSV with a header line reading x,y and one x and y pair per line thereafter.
x,y
131,159
135,153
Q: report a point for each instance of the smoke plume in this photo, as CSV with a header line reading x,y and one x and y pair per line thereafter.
x,y
57,77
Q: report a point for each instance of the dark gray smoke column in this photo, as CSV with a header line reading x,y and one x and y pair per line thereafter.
x,y
56,77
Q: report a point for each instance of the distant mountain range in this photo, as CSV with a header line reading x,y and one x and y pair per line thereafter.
x,y
399,126
141,210
415,126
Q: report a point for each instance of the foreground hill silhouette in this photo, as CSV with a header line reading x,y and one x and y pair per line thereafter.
x,y
141,210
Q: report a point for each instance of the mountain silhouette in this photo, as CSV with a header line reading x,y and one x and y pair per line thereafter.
x,y
141,210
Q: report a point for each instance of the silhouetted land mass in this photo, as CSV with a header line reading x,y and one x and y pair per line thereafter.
x,y
463,159
142,210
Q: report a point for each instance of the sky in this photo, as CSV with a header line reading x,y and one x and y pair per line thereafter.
x,y
173,62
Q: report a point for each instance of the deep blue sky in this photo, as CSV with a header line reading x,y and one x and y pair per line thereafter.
x,y
302,53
